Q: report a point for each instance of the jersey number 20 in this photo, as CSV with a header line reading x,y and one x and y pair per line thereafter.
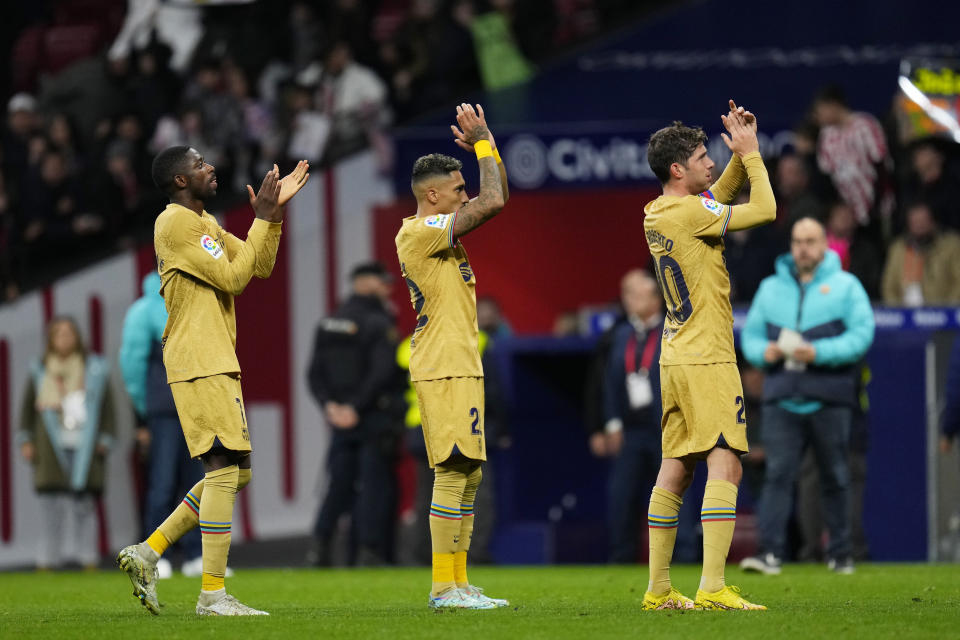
x,y
674,288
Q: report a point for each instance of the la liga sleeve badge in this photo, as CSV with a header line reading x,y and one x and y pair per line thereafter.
x,y
712,206
210,245
437,221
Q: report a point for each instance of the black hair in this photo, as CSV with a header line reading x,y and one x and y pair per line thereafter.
x,y
435,164
831,94
675,143
166,165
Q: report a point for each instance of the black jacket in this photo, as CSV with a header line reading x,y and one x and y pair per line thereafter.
x,y
354,358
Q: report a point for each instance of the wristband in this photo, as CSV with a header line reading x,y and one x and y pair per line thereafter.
x,y
496,155
483,149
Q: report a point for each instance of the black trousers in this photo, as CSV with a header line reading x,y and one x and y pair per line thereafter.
x,y
361,470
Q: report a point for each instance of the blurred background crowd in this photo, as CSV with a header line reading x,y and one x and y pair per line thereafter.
x,y
95,88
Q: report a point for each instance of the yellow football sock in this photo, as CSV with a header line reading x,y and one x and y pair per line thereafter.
x,y
449,482
718,517
662,518
243,478
466,527
184,518
158,542
216,517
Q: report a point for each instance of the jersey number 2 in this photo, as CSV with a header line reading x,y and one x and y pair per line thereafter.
x,y
476,422
739,403
679,306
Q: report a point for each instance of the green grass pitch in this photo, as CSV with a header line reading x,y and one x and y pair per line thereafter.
x,y
878,601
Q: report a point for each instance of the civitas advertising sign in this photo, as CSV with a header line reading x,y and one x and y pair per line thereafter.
x,y
593,159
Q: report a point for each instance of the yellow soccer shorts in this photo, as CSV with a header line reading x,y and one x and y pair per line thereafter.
x,y
451,411
702,403
211,411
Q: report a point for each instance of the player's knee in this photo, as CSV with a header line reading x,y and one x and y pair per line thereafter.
x,y
474,476
225,479
449,478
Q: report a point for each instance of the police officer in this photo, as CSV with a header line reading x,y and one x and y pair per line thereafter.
x,y
355,379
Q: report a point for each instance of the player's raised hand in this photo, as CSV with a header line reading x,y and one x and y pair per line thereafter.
x,y
743,135
461,139
745,116
291,183
266,201
473,124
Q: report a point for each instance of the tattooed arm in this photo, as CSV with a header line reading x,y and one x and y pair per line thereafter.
x,y
493,190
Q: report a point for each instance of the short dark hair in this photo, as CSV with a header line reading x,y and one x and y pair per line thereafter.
x,y
370,269
675,143
166,165
435,164
831,94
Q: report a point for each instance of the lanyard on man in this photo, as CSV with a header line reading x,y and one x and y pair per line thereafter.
x,y
639,389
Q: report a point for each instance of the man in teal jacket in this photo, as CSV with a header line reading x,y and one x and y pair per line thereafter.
x,y
808,327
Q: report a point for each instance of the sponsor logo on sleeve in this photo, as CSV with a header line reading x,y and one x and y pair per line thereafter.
x,y
438,221
209,245
712,206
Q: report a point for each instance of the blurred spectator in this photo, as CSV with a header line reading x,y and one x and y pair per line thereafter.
x,y
222,116
501,62
113,187
154,88
857,251
805,136
631,408
90,92
171,471
307,35
61,138
354,378
176,24
187,128
309,127
922,265
256,130
22,123
490,318
351,22
53,217
66,430
852,150
795,199
353,98
809,512
808,327
935,181
750,253
431,57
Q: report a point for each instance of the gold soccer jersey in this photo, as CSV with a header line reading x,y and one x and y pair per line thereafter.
x,y
442,290
685,235
202,267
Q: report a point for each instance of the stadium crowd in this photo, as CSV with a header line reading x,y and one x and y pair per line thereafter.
x,y
93,93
